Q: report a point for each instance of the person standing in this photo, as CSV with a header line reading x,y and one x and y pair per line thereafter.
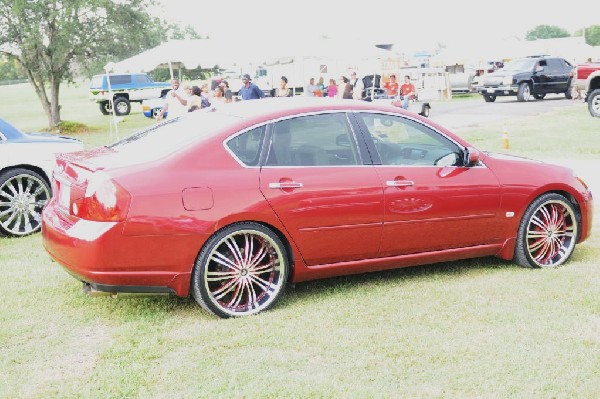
x,y
311,88
175,102
332,89
357,86
345,89
407,92
249,90
283,90
226,91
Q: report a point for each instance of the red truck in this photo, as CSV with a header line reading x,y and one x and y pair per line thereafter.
x,y
587,79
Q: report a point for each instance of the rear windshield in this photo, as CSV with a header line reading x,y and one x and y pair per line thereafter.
x,y
525,64
173,135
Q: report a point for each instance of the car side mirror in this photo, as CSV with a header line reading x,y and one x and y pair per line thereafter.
x,y
471,156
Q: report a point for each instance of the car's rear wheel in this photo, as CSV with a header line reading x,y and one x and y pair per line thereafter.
x,y
241,270
122,106
547,233
594,103
539,96
524,93
489,98
23,195
105,107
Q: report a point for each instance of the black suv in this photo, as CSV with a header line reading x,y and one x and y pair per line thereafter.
x,y
528,77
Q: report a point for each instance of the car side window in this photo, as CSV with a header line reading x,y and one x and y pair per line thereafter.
x,y
402,141
142,79
246,146
120,79
315,140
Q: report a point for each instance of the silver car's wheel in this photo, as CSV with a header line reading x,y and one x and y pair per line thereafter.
x,y
23,195
547,233
241,270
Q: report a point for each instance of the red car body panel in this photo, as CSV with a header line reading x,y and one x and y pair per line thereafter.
x,y
343,220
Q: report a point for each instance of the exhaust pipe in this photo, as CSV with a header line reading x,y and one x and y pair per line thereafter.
x,y
91,291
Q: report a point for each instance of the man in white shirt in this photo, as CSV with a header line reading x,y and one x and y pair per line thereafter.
x,y
358,86
311,88
175,102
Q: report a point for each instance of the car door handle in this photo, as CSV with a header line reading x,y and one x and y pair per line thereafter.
x,y
290,184
399,183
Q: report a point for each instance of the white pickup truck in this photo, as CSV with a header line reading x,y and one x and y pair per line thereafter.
x,y
125,89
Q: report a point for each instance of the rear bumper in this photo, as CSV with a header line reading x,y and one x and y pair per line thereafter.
x,y
99,254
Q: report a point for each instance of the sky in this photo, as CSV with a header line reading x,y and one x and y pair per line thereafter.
x,y
415,25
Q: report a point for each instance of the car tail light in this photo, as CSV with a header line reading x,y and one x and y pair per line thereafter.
x,y
104,200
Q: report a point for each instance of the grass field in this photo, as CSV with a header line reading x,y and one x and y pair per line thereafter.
x,y
481,328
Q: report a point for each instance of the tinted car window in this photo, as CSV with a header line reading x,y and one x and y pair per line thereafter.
x,y
142,79
401,141
120,79
316,140
246,146
555,65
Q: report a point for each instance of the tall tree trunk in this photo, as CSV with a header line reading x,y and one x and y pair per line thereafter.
x,y
54,104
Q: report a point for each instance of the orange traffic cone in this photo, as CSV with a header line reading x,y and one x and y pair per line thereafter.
x,y
505,142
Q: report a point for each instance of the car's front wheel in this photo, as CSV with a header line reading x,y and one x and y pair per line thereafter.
x,y
489,98
547,233
594,103
524,93
23,195
241,270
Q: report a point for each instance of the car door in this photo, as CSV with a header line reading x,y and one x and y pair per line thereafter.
x,y
314,178
431,201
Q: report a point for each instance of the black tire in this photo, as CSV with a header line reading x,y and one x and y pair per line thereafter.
x,y
593,100
122,106
105,108
23,195
539,96
229,283
524,93
489,98
547,233
569,94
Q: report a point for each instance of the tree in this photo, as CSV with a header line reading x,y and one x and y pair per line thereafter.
x,y
592,35
51,39
546,32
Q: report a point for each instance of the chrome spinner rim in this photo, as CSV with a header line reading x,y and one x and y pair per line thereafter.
x,y
245,272
551,234
22,198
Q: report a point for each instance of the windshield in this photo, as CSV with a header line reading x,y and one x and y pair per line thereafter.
x,y
172,135
525,64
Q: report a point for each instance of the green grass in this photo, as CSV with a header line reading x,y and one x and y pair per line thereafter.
x,y
481,328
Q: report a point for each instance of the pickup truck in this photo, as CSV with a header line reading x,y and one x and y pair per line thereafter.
x,y
126,88
587,79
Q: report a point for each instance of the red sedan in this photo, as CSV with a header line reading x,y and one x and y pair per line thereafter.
x,y
232,204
